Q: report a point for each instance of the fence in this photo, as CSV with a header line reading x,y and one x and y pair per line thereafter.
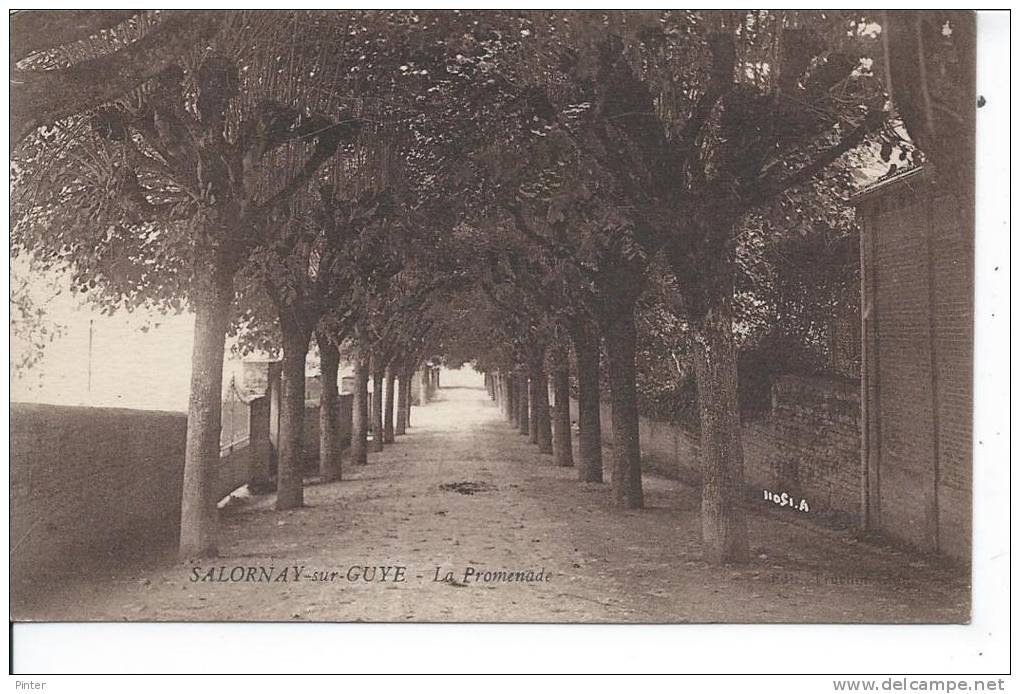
x,y
235,418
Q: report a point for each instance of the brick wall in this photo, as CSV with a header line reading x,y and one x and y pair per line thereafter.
x,y
953,323
917,252
808,445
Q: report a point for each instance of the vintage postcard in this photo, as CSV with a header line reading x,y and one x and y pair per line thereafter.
x,y
608,316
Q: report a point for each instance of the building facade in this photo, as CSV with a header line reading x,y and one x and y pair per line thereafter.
x,y
917,317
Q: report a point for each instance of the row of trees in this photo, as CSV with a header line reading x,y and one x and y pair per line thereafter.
x,y
379,180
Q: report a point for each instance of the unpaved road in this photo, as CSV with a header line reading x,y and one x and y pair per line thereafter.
x,y
406,509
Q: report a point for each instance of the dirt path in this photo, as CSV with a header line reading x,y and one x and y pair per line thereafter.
x,y
407,508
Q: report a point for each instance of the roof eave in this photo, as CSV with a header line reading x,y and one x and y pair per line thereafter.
x,y
913,176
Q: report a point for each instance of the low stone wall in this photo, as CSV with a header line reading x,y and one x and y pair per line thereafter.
x,y
89,484
807,445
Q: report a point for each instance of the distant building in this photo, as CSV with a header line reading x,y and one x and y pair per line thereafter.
x,y
917,310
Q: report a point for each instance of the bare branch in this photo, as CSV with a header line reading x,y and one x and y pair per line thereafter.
x,y
764,191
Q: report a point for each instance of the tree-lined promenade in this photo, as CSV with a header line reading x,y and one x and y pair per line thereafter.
x,y
605,201
423,532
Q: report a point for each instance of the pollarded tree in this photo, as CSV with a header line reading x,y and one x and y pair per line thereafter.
x,y
162,200
527,329
594,252
307,269
363,215
700,118
160,196
532,277
428,266
517,176
374,290
549,294
320,267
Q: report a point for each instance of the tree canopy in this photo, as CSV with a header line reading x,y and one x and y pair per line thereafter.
x,y
503,187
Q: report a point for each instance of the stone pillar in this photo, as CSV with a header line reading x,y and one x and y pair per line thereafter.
x,y
261,381
403,402
389,406
261,460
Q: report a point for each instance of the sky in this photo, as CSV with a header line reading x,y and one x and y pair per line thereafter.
x,y
139,360
130,367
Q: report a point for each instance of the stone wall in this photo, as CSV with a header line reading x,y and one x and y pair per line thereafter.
x,y
808,445
89,484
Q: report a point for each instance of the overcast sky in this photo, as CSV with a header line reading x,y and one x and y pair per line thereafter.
x,y
130,367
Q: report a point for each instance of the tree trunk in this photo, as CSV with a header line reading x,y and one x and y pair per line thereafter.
x,y
409,377
290,470
330,464
541,424
511,399
388,407
532,406
359,410
589,418
213,294
523,415
426,388
723,522
620,346
378,388
563,453
400,428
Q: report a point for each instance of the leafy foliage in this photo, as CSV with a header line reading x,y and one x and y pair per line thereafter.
x,y
521,170
31,328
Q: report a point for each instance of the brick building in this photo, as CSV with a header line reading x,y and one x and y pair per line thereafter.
x,y
917,299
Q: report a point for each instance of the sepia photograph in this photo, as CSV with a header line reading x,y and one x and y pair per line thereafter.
x,y
492,316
